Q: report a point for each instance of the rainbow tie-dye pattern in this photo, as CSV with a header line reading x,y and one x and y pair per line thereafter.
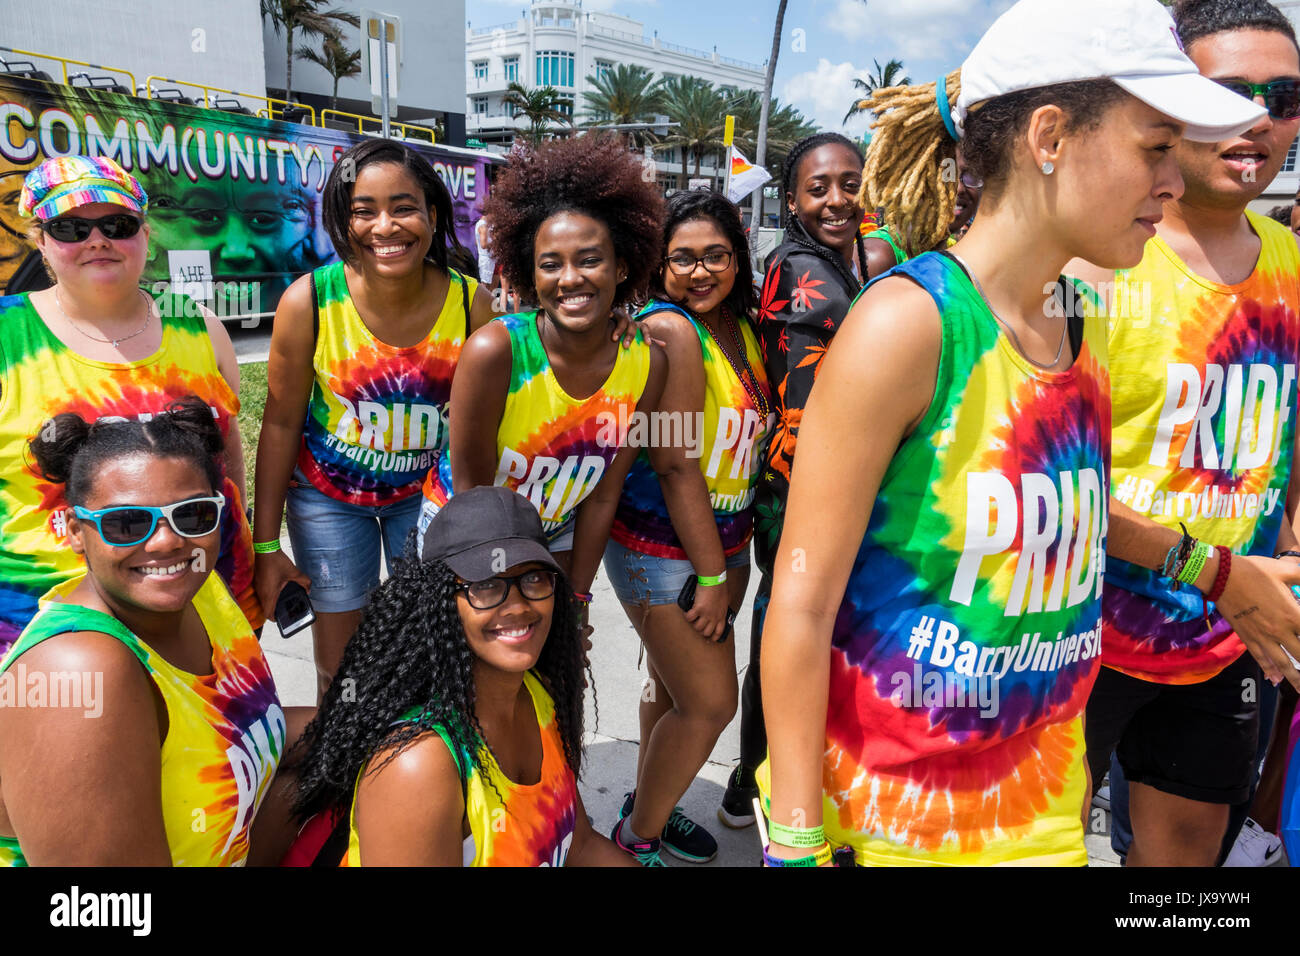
x,y
968,638
553,448
377,419
1205,409
40,377
513,825
225,730
731,445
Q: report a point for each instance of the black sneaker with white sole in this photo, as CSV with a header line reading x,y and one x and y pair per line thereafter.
x,y
737,810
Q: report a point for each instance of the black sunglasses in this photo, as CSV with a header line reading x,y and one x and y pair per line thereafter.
x,y
1281,97
76,229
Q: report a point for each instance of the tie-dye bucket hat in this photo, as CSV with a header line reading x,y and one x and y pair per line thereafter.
x,y
60,185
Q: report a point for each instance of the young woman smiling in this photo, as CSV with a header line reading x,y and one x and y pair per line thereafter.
x,y
362,357
539,404
97,345
186,720
703,299
811,280
462,743
931,548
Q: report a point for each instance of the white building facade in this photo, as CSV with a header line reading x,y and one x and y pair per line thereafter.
x,y
556,43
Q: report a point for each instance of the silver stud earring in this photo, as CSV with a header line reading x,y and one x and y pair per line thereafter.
x,y
1048,168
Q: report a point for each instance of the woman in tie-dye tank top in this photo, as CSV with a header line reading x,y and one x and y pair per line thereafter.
x,y
362,357
544,398
186,731
717,390
935,625
454,733
97,345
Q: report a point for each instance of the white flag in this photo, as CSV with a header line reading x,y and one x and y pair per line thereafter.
x,y
745,177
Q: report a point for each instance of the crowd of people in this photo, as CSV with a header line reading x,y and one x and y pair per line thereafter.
x,y
1041,533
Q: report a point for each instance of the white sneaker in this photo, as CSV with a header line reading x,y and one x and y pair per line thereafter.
x,y
1101,799
1255,846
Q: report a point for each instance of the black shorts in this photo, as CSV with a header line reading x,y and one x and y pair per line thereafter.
x,y
1191,740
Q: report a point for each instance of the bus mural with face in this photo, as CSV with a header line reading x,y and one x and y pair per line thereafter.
x,y
235,200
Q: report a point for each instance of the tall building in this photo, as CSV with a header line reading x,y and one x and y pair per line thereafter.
x,y
556,43
1283,189
431,82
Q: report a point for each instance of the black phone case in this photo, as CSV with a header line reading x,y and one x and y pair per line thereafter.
x,y
288,609
686,600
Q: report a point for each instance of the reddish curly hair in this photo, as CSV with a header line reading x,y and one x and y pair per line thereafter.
x,y
594,175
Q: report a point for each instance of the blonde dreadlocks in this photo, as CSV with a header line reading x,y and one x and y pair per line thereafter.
x,y
905,163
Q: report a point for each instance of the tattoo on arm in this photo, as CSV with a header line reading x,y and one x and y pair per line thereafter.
x,y
1246,612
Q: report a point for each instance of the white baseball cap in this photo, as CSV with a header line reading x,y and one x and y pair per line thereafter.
x,y
1133,42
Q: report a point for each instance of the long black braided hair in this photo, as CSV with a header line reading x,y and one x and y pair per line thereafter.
x,y
411,650
794,229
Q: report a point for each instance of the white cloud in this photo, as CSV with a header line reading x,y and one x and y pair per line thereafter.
x,y
824,95
916,29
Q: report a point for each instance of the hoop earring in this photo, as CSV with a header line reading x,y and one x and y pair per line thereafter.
x,y
1048,168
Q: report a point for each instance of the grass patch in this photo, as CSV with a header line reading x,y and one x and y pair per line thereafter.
x,y
252,401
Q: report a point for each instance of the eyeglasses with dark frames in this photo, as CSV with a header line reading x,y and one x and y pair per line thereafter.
x,y
684,265
535,585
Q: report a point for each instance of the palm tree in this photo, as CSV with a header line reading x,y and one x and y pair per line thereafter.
x,y
335,59
540,106
886,76
625,94
699,110
760,146
305,17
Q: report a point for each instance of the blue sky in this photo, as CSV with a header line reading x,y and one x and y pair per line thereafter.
x,y
839,39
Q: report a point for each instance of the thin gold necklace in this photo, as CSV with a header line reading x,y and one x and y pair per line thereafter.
x,y
148,314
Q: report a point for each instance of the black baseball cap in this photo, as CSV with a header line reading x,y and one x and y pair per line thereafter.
x,y
481,532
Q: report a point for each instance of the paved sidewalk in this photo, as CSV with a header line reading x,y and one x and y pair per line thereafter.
x,y
612,742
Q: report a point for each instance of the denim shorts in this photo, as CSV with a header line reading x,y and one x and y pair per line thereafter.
x,y
337,544
643,578
428,511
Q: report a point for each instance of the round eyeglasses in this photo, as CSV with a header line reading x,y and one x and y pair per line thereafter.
x,y
536,585
684,265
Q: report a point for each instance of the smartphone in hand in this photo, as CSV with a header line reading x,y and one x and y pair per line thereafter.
x,y
686,601
293,609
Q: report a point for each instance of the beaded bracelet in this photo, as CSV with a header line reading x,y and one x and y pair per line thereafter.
x,y
796,837
1178,555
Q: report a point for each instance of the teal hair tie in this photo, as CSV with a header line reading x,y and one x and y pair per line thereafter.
x,y
945,109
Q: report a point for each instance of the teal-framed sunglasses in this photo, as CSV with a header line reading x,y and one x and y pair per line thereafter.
x,y
1281,97
125,525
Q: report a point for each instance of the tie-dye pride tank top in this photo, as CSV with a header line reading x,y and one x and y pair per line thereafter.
x,y
553,448
729,437
40,377
377,418
225,730
515,824
1205,409
968,638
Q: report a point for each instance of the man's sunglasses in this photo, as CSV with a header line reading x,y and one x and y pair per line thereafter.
x,y
492,592
75,229
1281,97
126,525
